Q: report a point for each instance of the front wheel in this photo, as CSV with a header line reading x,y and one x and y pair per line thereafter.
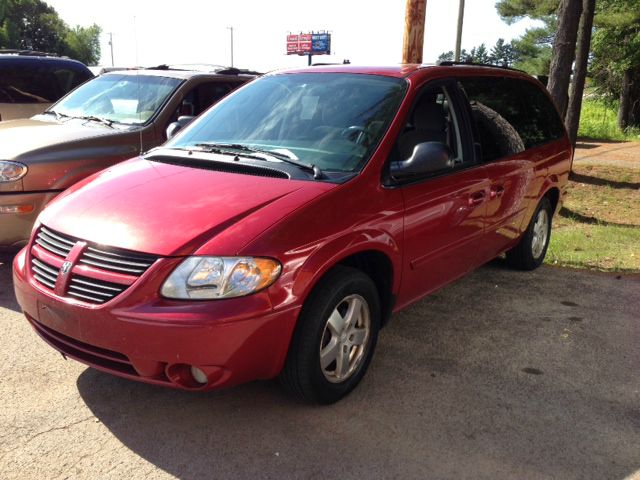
x,y
335,337
532,248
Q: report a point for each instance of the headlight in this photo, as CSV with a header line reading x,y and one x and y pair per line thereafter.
x,y
220,277
11,171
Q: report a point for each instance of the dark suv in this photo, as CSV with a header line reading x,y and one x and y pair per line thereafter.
x,y
31,81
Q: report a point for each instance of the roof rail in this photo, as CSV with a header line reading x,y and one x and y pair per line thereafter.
x,y
448,63
33,53
205,68
237,71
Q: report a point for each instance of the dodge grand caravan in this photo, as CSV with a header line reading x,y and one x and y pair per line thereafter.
x,y
276,234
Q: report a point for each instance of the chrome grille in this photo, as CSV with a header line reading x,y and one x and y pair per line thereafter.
x,y
83,287
93,290
44,273
117,260
54,242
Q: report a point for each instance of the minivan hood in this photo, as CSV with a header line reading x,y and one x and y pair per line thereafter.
x,y
168,210
18,137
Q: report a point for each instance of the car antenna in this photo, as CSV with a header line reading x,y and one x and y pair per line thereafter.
x,y
135,36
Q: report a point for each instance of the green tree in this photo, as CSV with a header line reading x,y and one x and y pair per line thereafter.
x,y
34,25
478,54
500,54
83,44
503,53
616,56
533,49
614,59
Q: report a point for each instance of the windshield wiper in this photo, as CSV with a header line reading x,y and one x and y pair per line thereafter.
x,y
317,173
222,149
58,114
93,118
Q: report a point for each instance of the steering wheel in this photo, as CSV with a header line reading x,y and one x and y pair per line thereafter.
x,y
355,133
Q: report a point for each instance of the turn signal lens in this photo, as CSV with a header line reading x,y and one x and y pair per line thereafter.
x,y
16,208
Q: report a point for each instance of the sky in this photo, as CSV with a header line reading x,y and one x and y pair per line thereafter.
x,y
367,32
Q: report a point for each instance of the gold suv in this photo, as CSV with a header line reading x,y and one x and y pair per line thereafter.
x,y
109,119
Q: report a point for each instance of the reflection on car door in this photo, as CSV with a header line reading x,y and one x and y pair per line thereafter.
x,y
444,215
509,126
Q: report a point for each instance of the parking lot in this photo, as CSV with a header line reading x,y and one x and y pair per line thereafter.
x,y
501,375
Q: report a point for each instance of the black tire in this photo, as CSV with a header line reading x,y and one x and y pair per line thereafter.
x,y
505,139
303,375
523,256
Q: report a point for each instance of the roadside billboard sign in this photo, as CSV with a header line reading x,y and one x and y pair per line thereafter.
x,y
309,44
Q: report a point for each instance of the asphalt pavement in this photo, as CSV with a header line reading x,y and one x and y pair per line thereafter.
x,y
502,375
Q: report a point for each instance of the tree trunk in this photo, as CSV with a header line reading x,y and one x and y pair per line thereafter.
x,y
625,100
563,53
572,120
634,100
413,43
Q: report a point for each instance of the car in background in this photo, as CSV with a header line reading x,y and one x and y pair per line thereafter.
x,y
277,233
31,81
111,118
100,69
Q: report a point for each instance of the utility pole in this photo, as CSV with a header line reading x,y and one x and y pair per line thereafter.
x,y
111,45
231,29
413,42
459,31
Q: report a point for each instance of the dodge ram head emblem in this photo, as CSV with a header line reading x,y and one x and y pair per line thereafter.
x,y
66,266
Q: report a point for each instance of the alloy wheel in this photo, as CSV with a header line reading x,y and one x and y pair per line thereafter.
x,y
345,339
540,234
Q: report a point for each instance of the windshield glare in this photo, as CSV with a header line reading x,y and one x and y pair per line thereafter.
x,y
330,120
127,99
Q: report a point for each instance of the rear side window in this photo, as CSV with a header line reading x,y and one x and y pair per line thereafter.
x,y
27,85
202,97
67,79
36,82
510,115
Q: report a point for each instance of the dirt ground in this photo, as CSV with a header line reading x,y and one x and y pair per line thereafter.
x,y
502,375
597,152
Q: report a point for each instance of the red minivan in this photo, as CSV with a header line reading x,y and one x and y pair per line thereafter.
x,y
276,234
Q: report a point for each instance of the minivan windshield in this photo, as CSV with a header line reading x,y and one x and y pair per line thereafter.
x,y
127,99
331,120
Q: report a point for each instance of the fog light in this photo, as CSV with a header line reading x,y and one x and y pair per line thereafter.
x,y
16,208
198,375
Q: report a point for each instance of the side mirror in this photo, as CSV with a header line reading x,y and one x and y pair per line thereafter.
x,y
427,157
175,127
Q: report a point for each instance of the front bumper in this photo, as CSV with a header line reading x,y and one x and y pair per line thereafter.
x,y
141,336
15,228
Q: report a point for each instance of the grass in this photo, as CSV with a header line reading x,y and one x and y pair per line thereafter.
x,y
599,120
599,225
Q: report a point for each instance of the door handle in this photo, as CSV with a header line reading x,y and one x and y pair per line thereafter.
x,y
496,191
476,199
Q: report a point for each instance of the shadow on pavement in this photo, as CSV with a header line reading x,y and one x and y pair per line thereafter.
x,y
7,297
602,182
501,375
579,217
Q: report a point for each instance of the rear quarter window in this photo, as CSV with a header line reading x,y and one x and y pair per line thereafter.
x,y
37,82
510,115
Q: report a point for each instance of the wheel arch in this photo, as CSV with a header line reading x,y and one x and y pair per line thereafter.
x,y
380,260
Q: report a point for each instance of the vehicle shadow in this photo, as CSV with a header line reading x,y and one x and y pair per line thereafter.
x,y
602,182
7,297
579,217
458,389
